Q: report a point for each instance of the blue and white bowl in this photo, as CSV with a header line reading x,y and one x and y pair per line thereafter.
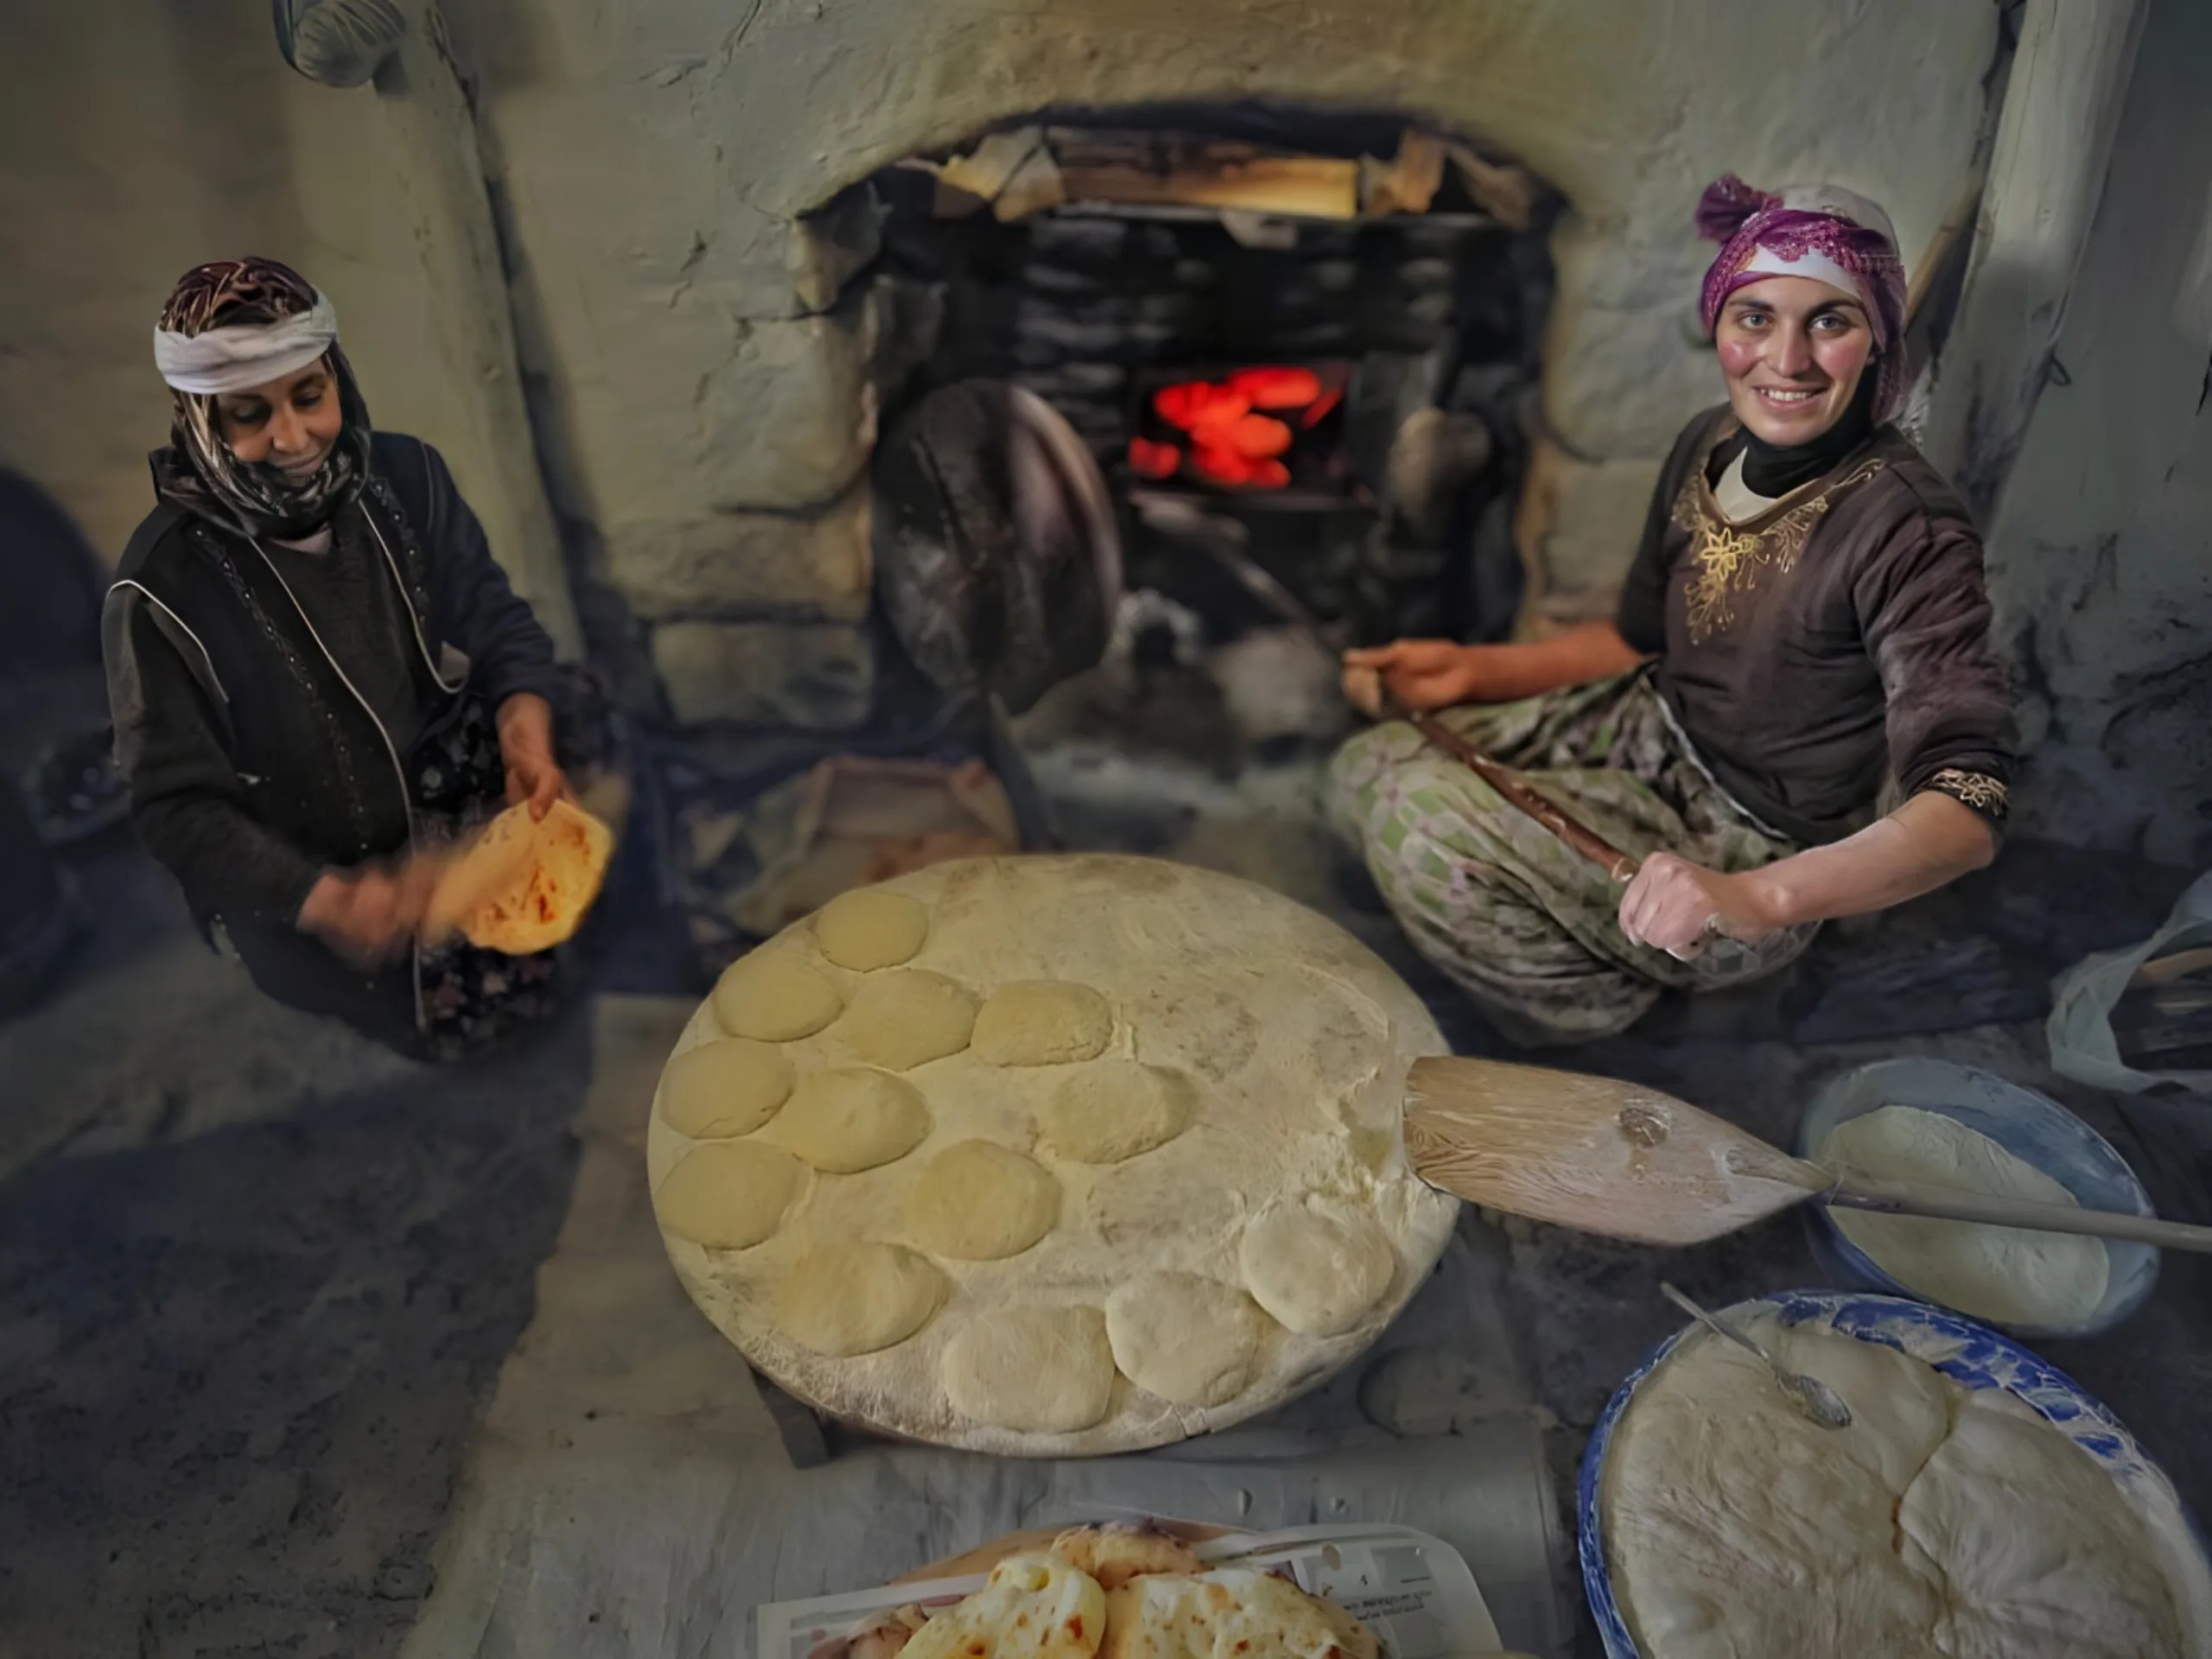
x,y
1971,1354
2034,1129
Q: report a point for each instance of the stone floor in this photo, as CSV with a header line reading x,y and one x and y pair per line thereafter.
x,y
256,1279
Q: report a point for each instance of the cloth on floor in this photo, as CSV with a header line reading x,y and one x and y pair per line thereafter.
x,y
629,1496
1526,926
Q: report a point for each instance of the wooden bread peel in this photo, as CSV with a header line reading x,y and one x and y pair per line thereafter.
x,y
1615,1158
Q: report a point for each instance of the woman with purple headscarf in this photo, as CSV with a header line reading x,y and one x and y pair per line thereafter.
x,y
1795,715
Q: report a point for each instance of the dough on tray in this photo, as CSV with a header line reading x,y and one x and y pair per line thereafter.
x,y
1318,1267
724,1089
868,929
1110,1112
1033,1606
858,1297
1042,1022
851,1118
774,995
1941,1521
2010,1275
1048,1370
902,1019
729,1195
978,1201
1190,1340
1055,1082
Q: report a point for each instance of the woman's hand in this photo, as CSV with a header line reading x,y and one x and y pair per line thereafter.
x,y
525,722
1419,675
369,916
1673,904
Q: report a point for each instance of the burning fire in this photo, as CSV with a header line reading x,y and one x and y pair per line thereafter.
x,y
1235,430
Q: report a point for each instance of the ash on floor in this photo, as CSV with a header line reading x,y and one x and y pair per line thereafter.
x,y
256,1278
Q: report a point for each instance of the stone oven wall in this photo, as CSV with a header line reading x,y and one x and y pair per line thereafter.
x,y
703,371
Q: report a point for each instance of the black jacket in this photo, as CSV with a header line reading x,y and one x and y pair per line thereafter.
x,y
252,763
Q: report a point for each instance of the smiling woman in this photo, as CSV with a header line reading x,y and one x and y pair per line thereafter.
x,y
1802,636
317,671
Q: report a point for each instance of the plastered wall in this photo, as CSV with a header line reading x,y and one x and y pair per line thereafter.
x,y
2100,555
141,138
652,156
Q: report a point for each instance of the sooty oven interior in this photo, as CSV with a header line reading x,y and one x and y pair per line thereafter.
x,y
1303,348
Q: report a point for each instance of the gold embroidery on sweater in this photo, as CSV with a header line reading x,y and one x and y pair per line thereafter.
x,y
1975,789
1727,561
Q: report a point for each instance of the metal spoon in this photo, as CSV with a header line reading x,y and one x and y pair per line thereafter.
x,y
1818,1402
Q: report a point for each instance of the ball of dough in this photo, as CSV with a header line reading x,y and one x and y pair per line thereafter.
x,y
1190,1340
868,929
978,1201
1044,1370
1042,1022
1182,1196
857,1298
1111,1111
1317,1269
729,1195
724,1089
851,1118
774,996
907,1019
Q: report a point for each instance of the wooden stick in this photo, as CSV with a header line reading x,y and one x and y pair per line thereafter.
x,y
1855,1191
1587,841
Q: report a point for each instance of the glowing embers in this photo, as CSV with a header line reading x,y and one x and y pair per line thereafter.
x,y
1251,429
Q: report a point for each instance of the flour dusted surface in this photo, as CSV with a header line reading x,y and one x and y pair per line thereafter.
x,y
1943,1523
1260,1053
2007,1274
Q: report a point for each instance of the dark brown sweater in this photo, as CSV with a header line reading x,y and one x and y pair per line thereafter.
x,y
1838,642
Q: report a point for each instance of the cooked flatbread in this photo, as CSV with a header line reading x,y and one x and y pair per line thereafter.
x,y
1231,1612
525,885
1036,1606
1119,1551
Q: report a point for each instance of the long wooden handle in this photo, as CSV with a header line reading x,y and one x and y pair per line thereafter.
x,y
1585,840
1950,1204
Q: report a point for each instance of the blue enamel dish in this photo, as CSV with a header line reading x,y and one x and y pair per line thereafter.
x,y
1971,1354
2036,1130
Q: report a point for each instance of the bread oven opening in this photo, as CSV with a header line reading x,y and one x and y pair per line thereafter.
x,y
1302,348
1168,405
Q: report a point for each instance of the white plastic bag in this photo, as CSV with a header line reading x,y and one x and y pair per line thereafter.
x,y
2082,1046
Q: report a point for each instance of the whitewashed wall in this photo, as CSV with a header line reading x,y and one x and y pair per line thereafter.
x,y
141,137
653,154
2100,556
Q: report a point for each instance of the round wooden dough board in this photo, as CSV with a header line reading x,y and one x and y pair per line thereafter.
x,y
1296,1037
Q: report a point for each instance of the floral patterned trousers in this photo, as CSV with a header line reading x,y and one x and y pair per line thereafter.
x,y
1530,929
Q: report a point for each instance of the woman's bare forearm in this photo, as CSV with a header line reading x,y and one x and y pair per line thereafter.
x,y
1927,844
1595,651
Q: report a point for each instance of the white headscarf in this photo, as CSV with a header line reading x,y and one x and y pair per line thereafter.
x,y
233,359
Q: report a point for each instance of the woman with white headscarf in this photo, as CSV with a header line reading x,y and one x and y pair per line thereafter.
x,y
1795,715
314,665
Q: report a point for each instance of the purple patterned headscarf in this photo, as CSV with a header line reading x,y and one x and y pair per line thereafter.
x,y
1819,231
